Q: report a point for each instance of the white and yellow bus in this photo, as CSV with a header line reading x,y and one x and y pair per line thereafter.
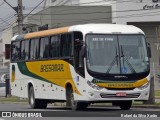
x,y
81,65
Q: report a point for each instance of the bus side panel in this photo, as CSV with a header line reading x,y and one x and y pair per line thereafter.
x,y
52,91
45,90
54,88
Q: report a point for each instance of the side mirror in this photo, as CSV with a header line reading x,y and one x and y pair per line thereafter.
x,y
149,50
83,51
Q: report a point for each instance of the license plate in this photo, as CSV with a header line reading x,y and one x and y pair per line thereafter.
x,y
121,94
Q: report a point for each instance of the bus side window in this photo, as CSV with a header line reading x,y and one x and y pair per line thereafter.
x,y
55,46
25,50
66,45
15,51
34,49
44,47
22,50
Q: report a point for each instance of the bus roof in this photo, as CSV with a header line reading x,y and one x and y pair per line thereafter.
x,y
107,29
85,28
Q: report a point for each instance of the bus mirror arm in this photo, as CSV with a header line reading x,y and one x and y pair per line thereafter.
x,y
149,50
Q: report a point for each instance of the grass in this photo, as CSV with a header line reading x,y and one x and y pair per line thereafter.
x,y
157,93
12,99
141,103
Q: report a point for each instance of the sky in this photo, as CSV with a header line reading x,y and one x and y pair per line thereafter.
x,y
8,15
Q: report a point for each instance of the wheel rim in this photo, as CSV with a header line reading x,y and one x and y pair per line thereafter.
x,y
32,99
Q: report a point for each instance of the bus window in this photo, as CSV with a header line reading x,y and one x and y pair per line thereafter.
x,y
15,51
25,50
44,47
66,45
34,49
55,45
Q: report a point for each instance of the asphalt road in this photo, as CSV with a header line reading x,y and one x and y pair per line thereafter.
x,y
50,107
63,110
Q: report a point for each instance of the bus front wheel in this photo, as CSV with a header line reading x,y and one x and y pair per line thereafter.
x,y
35,103
74,104
70,98
77,105
125,105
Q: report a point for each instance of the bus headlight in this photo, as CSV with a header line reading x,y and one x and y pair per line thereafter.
x,y
94,86
144,86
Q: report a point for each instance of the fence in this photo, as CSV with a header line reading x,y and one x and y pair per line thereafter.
x,y
4,89
155,72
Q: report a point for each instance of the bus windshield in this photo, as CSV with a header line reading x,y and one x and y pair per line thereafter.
x,y
117,54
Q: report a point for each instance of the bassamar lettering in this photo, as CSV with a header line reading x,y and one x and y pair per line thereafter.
x,y
52,68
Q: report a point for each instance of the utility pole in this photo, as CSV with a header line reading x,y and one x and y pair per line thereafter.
x,y
18,10
20,17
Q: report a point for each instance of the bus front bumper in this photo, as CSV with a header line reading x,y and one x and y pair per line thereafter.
x,y
115,95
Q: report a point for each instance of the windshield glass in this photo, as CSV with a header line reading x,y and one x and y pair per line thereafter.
x,y
117,54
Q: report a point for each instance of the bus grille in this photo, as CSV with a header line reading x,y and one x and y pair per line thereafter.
x,y
120,88
134,95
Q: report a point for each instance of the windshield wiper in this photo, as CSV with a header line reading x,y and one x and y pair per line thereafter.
x,y
115,60
126,60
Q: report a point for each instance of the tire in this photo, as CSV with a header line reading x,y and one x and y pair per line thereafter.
x,y
68,98
115,104
75,105
35,103
84,105
125,105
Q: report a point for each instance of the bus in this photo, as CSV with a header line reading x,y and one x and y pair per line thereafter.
x,y
81,65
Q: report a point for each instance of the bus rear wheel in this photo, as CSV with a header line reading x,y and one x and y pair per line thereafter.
x,y
36,103
125,105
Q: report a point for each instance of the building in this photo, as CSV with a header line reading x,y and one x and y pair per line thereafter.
x,y
6,39
111,3
144,14
1,60
60,16
78,2
61,2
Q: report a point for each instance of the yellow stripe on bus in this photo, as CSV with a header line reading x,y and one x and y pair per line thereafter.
x,y
13,76
55,71
46,33
123,84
